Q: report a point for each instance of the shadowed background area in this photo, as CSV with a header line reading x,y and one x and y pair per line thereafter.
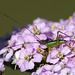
x,y
25,11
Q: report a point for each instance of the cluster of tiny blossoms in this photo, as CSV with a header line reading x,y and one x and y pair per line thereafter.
x,y
26,47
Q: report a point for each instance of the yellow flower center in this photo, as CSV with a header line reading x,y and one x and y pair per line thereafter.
x,y
36,27
59,53
25,57
40,49
69,46
62,27
57,25
36,31
70,17
52,27
33,29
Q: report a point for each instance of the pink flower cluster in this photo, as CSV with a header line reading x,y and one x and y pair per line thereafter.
x,y
26,47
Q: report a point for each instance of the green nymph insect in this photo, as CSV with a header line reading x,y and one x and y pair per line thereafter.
x,y
51,43
57,41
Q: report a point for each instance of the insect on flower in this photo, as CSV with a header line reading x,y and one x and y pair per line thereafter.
x,y
30,45
57,41
48,42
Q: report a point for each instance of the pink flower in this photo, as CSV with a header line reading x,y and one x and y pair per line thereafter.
x,y
2,68
7,53
27,58
44,70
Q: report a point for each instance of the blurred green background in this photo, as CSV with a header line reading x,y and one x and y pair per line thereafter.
x,y
25,11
